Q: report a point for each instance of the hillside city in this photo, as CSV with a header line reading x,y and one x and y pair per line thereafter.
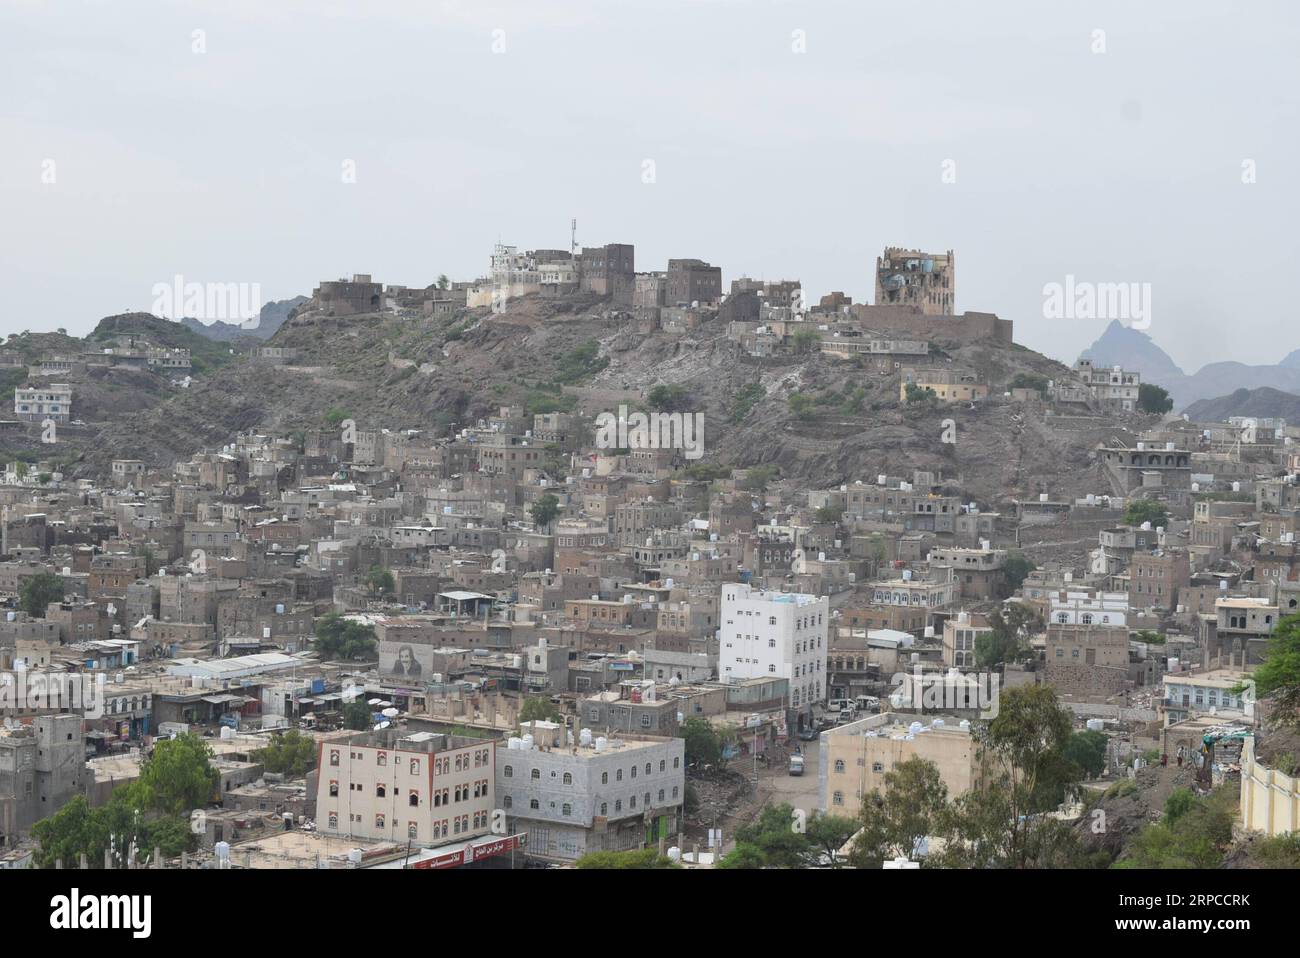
x,y
578,566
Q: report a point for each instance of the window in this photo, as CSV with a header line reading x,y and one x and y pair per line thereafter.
x,y
568,778
534,804
647,768
334,789
508,802
839,766
877,767
566,809
412,830
837,798
381,758
508,771
414,800
604,809
334,757
379,822
379,790
537,774
604,778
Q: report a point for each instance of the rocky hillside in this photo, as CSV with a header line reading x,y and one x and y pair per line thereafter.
x,y
579,354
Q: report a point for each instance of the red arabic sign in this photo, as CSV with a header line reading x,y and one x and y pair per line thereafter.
x,y
470,853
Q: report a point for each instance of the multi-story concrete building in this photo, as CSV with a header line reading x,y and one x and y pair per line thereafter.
x,y
42,766
693,281
423,788
856,757
1114,388
948,385
1154,578
784,634
908,277
349,297
978,572
959,635
37,403
598,794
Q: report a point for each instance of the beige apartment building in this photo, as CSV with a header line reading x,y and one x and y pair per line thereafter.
x,y
855,757
425,788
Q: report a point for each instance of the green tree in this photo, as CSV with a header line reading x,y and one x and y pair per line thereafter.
x,y
443,281
178,777
831,514
65,835
1029,381
38,592
539,708
804,341
704,743
665,398
1087,751
1015,570
911,808
640,858
757,478
288,753
776,839
1139,511
544,511
340,638
914,394
1153,399
1023,745
1196,836
743,857
335,416
1008,637
357,716
380,581
802,405
827,834
1278,676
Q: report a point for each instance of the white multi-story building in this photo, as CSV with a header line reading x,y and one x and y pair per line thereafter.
x,y
1114,387
775,633
1089,608
35,403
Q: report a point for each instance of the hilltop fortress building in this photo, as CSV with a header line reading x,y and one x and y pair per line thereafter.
x,y
909,277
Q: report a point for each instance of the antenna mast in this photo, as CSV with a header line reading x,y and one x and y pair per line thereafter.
x,y
573,236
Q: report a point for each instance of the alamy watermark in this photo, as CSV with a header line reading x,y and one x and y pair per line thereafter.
x,y
654,430
22,691
229,302
947,692
1130,303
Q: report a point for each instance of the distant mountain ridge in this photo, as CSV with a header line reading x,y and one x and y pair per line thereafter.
x,y
271,317
1264,402
1135,350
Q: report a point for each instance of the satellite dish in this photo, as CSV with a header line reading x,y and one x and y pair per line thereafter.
x,y
382,725
391,712
374,702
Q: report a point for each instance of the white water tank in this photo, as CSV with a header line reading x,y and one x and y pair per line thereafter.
x,y
514,743
527,742
1095,725
602,743
585,737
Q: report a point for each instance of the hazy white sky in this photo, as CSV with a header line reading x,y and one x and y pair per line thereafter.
x,y
226,165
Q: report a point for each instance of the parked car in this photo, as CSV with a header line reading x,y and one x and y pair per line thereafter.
x,y
796,764
809,735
